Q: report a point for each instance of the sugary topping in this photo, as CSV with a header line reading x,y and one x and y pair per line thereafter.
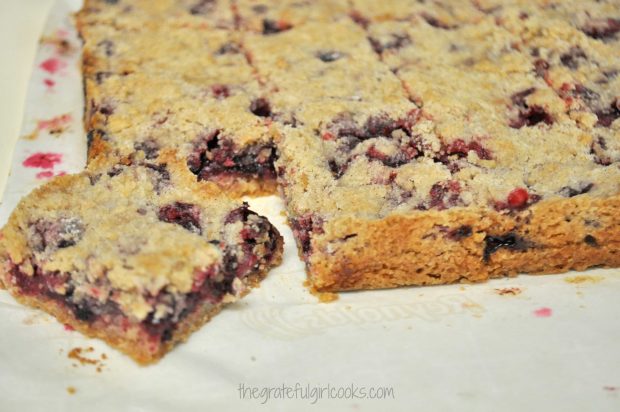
x,y
172,13
481,107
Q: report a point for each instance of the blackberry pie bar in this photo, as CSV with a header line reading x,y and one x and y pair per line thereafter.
x,y
135,254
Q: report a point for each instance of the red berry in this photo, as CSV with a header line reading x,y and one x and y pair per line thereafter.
x,y
518,198
220,91
328,136
374,153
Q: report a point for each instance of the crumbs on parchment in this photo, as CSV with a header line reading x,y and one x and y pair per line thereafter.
x,y
86,356
583,279
512,291
324,297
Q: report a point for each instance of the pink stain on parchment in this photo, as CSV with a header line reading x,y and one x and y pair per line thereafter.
x,y
543,312
53,65
43,160
45,175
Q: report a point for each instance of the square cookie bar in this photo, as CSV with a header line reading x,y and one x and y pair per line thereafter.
x,y
145,92
135,254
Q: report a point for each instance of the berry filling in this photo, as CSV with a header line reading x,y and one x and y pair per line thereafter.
x,y
303,229
608,115
445,194
460,148
216,158
391,142
183,214
48,236
571,59
273,27
526,115
346,134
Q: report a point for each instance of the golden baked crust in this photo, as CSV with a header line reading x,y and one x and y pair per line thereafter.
x,y
465,245
135,253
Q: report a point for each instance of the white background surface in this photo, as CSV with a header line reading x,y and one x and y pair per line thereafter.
x,y
552,347
21,22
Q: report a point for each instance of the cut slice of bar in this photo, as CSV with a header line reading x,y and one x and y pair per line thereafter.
x,y
485,175
135,254
221,138
145,93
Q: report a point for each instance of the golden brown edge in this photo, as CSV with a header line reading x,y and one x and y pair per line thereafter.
x,y
421,248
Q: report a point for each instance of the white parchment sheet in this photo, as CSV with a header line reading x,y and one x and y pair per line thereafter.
x,y
529,343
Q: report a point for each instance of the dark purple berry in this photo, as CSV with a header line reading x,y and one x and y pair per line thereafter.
x,y
202,7
329,56
510,241
183,214
260,107
602,28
